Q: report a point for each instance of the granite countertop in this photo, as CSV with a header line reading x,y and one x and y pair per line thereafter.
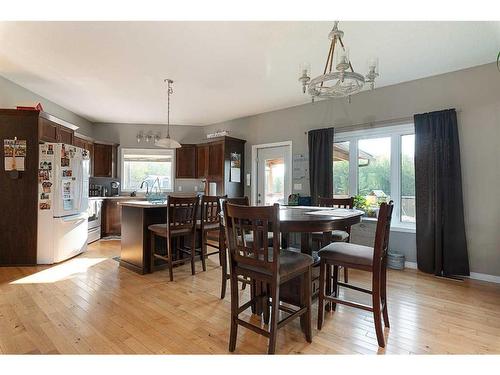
x,y
142,204
120,197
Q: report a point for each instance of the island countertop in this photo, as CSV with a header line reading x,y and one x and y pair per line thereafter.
x,y
143,204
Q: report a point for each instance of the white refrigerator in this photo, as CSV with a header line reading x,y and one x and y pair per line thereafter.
x,y
63,190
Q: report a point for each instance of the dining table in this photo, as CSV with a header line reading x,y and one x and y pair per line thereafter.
x,y
312,219
306,220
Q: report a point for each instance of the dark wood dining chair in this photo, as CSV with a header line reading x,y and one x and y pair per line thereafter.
x,y
271,266
341,235
181,223
242,201
209,227
370,259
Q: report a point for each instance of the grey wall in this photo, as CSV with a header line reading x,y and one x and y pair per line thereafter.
x,y
474,92
126,136
12,95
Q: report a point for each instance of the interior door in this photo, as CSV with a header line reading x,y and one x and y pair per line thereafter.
x,y
273,175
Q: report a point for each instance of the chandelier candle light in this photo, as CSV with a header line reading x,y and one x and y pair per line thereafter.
x,y
167,142
338,80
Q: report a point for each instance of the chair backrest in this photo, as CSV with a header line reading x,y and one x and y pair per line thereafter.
x,y
210,209
242,201
336,202
381,244
247,231
181,213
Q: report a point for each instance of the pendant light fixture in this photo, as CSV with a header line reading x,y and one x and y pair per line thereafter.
x,y
167,142
339,78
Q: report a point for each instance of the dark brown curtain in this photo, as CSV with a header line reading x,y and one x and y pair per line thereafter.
x,y
321,163
441,242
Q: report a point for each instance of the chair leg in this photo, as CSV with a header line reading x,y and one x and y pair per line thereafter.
x,y
234,312
253,293
169,255
328,285
346,275
193,253
203,250
307,304
223,273
377,314
321,296
266,313
273,331
383,293
152,247
335,287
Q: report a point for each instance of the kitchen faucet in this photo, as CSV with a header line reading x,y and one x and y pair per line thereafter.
x,y
147,186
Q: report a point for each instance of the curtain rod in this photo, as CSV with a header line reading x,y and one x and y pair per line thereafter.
x,y
374,124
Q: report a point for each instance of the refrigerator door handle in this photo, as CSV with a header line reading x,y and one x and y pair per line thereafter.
x,y
77,217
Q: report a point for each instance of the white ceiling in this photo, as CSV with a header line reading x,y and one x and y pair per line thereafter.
x,y
114,71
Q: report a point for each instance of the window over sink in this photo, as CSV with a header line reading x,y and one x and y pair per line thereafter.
x,y
149,165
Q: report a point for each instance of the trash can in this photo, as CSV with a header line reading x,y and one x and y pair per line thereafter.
x,y
395,261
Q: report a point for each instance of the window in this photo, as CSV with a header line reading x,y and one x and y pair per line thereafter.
x,y
341,169
376,166
408,178
154,166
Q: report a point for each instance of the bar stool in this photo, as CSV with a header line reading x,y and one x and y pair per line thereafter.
x,y
270,266
370,259
181,223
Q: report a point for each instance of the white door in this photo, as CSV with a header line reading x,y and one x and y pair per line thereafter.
x,y
274,168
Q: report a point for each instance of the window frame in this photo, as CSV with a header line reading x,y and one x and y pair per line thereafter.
x,y
395,132
146,151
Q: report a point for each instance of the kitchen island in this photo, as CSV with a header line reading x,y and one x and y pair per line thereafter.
x,y
137,216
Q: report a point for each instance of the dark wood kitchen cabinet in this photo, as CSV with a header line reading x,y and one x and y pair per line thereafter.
x,y
47,130
52,129
105,159
219,165
202,159
185,162
111,218
216,160
65,135
212,161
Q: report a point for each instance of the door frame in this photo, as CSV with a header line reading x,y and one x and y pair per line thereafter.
x,y
255,150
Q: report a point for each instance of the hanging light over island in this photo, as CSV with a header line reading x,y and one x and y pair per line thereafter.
x,y
168,142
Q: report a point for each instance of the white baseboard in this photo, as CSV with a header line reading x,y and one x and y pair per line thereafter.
x,y
473,275
484,277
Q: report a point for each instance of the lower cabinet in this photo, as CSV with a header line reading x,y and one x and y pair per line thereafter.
x,y
111,218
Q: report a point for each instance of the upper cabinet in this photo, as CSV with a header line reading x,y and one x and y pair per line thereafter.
x,y
105,159
212,161
202,161
52,129
47,130
185,162
216,160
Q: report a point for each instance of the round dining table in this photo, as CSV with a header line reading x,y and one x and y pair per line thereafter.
x,y
311,219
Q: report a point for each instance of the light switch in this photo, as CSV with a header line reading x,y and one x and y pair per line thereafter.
x,y
249,178
179,188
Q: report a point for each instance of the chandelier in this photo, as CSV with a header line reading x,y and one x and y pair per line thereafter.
x,y
339,78
167,142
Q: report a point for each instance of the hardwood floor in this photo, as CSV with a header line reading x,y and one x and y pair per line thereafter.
x,y
91,305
